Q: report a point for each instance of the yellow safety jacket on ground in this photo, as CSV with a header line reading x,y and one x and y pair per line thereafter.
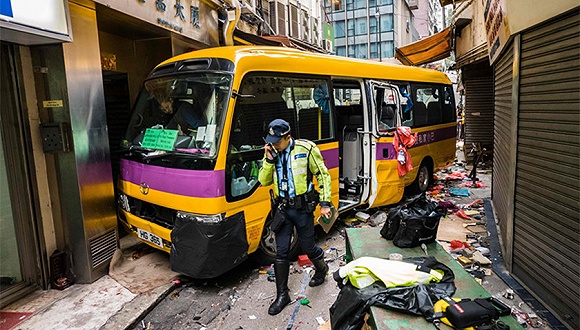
x,y
364,271
305,158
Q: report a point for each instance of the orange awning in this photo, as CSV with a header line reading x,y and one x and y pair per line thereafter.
x,y
427,50
449,2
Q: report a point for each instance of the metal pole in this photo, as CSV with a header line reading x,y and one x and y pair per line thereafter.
x,y
377,16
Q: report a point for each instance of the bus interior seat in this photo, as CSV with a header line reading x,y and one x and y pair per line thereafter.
x,y
420,114
254,119
308,124
352,149
388,114
434,112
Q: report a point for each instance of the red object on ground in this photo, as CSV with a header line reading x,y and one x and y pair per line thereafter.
x,y
455,176
9,320
303,260
476,184
462,215
475,203
456,244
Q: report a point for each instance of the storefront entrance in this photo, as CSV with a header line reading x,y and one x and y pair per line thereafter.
x,y
18,238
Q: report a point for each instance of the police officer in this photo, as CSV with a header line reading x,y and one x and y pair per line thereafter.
x,y
290,164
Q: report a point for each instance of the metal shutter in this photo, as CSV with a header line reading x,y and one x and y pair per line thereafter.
x,y
281,15
546,218
502,179
478,82
294,21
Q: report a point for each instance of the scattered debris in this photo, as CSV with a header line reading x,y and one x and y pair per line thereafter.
x,y
509,294
362,216
459,192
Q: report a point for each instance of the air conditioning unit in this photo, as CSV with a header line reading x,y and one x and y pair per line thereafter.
x,y
413,4
327,45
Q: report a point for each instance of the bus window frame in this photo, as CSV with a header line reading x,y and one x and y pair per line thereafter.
x,y
256,154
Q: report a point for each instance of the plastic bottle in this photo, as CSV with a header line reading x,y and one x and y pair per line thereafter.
x,y
401,157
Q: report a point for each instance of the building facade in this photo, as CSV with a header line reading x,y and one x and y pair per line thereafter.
x,y
427,18
370,29
520,71
300,20
68,80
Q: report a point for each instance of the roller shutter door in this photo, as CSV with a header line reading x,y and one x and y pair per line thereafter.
x,y
546,217
502,180
478,82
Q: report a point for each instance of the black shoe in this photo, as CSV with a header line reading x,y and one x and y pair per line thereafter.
x,y
320,273
278,305
281,270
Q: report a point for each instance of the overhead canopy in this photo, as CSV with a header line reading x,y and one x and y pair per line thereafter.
x,y
449,2
427,50
295,43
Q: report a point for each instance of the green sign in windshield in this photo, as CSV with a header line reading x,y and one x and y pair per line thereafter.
x,y
159,139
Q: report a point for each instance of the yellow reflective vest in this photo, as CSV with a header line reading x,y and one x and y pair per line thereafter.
x,y
305,158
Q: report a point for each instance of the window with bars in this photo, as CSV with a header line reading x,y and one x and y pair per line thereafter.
x,y
305,26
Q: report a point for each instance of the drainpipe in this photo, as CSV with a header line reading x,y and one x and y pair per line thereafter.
x,y
232,14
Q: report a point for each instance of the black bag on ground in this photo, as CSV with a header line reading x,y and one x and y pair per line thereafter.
x,y
469,313
392,224
413,223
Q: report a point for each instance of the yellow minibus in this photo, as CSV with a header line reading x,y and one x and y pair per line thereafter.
x,y
188,176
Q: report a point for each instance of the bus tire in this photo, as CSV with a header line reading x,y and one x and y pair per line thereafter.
x,y
265,255
422,180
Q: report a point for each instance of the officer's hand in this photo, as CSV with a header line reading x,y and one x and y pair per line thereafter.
x,y
269,152
326,212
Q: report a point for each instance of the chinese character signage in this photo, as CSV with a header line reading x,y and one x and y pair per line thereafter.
x,y
496,26
191,18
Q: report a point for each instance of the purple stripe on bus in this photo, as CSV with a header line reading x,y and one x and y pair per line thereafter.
x,y
330,157
435,136
193,183
386,150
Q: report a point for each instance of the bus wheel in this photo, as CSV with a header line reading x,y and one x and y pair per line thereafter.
x,y
423,179
265,255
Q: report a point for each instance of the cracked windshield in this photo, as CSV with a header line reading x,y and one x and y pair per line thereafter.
x,y
179,115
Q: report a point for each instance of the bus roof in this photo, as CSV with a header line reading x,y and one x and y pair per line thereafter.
x,y
281,59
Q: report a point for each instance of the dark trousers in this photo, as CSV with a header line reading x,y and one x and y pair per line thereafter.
x,y
304,223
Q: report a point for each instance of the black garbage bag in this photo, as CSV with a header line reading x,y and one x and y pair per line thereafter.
x,y
351,305
414,222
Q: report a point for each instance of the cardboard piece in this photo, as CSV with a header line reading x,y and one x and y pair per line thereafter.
x,y
325,223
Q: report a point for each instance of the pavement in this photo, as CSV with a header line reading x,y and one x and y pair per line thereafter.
x,y
116,301
121,299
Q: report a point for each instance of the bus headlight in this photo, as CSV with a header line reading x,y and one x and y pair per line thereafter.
x,y
205,219
123,202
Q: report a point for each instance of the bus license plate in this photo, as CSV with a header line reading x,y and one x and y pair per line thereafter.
x,y
149,237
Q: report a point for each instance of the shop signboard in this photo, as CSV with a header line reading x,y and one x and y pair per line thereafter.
x,y
46,18
193,19
497,30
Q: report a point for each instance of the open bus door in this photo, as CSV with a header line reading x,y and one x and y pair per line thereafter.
x,y
386,186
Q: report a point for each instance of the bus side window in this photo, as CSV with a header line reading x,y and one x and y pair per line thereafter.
x,y
434,108
448,105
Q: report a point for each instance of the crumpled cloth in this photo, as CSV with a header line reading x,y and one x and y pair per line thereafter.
x,y
402,141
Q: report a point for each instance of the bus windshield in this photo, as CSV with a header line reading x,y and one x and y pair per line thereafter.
x,y
188,109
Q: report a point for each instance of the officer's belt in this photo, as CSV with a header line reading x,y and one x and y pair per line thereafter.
x,y
297,202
